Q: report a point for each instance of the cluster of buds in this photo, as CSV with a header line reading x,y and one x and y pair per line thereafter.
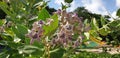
x,y
36,32
69,25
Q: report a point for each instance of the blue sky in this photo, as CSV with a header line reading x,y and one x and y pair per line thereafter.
x,y
95,6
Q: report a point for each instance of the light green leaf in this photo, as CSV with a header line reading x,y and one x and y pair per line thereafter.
x,y
104,31
50,29
43,14
102,21
2,22
94,24
9,31
99,38
87,35
93,33
86,21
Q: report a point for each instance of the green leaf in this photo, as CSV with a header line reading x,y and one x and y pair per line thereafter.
x,y
6,36
43,14
93,33
104,30
4,55
14,29
94,24
29,49
102,21
2,22
86,21
24,2
5,7
9,31
99,38
118,12
64,6
50,29
68,1
54,25
14,45
11,44
57,53
113,24
20,31
87,35
3,42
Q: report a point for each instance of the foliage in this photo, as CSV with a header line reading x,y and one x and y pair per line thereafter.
x,y
68,1
84,54
2,14
29,31
118,13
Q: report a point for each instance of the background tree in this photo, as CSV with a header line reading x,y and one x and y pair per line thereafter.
x,y
50,10
82,12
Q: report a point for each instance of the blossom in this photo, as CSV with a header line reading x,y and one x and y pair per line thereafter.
x,y
67,28
36,32
58,12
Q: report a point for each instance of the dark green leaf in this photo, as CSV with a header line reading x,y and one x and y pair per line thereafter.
x,y
11,44
57,53
14,29
118,12
68,1
63,6
20,31
4,55
29,49
7,37
5,7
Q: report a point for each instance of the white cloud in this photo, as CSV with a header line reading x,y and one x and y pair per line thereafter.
x,y
114,14
118,3
59,2
74,5
95,6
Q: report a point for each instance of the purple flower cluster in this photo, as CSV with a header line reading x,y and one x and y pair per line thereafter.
x,y
36,32
69,24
